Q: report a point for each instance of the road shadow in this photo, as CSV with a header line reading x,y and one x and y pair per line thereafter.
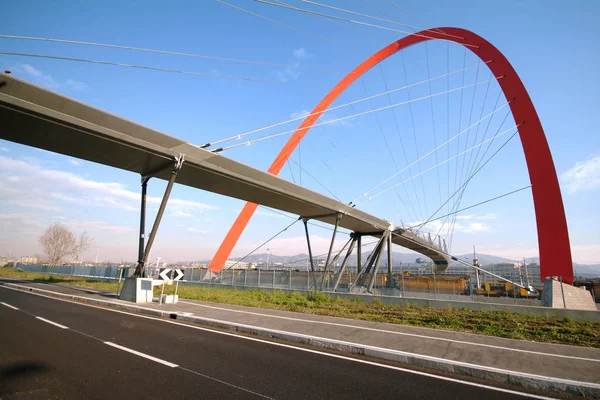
x,y
16,374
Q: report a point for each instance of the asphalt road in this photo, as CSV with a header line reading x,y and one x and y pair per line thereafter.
x,y
90,356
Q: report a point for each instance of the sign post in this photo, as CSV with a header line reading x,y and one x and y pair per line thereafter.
x,y
168,276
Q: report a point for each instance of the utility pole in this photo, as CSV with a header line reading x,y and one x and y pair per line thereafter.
x,y
526,274
476,264
268,254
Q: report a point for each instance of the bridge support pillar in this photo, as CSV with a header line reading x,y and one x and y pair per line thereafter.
x,y
390,278
372,266
328,263
142,237
310,257
338,276
358,253
140,270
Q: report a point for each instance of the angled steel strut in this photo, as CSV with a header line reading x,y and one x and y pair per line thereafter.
x,y
143,254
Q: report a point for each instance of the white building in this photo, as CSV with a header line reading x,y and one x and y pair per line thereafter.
x,y
229,264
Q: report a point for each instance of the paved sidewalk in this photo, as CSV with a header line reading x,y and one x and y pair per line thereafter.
x,y
547,366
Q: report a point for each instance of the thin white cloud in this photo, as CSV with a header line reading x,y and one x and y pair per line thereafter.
x,y
5,149
180,214
287,75
45,185
97,226
299,114
76,85
465,227
464,217
472,227
586,253
68,199
584,175
269,214
302,54
291,74
46,79
196,230
74,162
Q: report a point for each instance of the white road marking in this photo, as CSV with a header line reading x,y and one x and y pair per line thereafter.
x,y
52,323
325,353
396,333
137,353
8,305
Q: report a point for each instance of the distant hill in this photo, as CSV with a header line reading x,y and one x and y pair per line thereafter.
x,y
404,258
299,260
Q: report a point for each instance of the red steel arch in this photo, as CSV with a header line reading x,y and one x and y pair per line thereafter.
x,y
553,235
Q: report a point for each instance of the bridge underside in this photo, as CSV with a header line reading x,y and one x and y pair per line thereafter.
x,y
37,117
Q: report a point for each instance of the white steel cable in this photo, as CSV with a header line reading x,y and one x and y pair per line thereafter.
x,y
479,168
444,162
174,71
412,15
432,151
414,28
356,22
387,92
173,53
286,26
247,143
347,26
469,207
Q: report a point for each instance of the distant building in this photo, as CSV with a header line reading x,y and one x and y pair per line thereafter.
x,y
29,260
229,264
515,272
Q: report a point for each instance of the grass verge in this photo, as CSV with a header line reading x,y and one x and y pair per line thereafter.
x,y
8,272
493,323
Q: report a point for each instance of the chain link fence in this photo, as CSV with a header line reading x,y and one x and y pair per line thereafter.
x,y
440,287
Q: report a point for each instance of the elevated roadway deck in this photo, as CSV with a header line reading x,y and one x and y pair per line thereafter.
x,y
40,118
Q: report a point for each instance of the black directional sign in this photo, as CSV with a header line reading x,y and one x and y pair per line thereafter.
x,y
170,274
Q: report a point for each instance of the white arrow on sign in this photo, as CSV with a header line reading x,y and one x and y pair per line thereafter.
x,y
164,275
179,274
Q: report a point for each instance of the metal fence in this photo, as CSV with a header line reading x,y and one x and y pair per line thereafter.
x,y
442,288
98,272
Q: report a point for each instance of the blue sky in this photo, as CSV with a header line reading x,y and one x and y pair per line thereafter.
x,y
550,44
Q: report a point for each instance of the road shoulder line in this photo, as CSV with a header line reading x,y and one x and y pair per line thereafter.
x,y
52,323
8,305
143,355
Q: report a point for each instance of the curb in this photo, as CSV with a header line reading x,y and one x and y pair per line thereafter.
x,y
531,381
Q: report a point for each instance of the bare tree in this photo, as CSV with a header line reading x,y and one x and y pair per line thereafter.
x,y
58,242
83,244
